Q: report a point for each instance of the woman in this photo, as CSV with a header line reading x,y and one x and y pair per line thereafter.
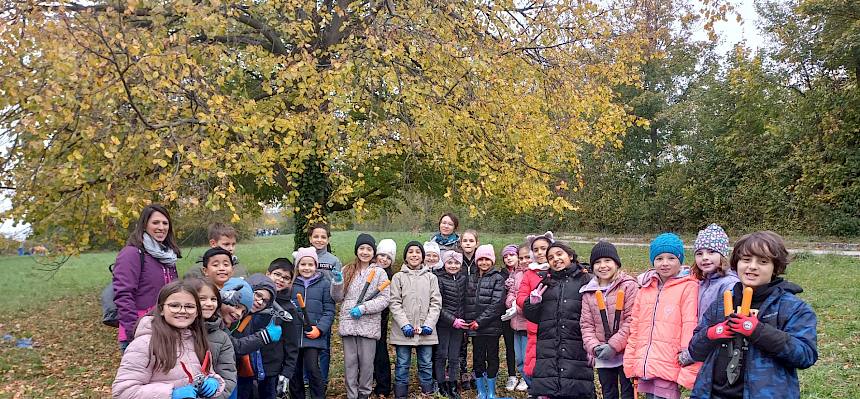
x,y
143,267
447,237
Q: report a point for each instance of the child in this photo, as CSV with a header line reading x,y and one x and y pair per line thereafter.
x,y
381,362
447,237
284,357
537,270
510,261
712,266
222,236
452,287
432,256
776,340
468,244
223,357
319,306
167,340
664,317
608,353
561,364
319,235
359,321
485,304
217,266
519,322
415,306
255,380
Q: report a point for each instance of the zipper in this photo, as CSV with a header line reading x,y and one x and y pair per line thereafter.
x,y
304,294
653,322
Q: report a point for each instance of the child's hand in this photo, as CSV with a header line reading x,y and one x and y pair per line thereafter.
x,y
184,392
510,313
536,295
208,388
684,358
474,326
426,330
720,331
337,276
408,331
356,312
272,332
744,325
314,333
460,324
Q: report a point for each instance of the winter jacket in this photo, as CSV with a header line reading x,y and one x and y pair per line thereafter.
x,y
712,288
452,287
485,302
136,378
327,262
512,285
415,300
469,266
770,368
248,333
531,278
223,357
561,364
368,324
319,305
664,318
280,357
136,286
591,321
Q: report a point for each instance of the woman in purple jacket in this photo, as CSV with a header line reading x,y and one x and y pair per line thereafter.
x,y
147,263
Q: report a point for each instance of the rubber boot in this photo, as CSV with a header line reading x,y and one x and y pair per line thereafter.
x,y
401,391
481,383
491,387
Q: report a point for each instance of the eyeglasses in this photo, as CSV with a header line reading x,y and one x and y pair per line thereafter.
x,y
280,276
178,307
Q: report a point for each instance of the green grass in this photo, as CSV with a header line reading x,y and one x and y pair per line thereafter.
x,y
76,356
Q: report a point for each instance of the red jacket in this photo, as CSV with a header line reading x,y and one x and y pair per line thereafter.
x,y
530,280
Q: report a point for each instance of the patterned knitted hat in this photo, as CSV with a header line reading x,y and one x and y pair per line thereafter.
x,y
714,238
667,243
510,249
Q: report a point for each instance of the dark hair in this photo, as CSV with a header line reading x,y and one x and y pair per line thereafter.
x,y
564,247
453,219
281,264
216,251
217,230
136,236
198,283
166,339
764,244
319,225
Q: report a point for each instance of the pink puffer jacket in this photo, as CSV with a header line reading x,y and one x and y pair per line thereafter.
x,y
136,379
590,320
662,326
518,322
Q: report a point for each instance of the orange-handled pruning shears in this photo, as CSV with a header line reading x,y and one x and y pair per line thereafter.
x,y
197,379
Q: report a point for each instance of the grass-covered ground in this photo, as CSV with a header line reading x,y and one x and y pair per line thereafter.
x,y
76,356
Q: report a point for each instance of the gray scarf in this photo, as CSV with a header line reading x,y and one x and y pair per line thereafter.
x,y
163,254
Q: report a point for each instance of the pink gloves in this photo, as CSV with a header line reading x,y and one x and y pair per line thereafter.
x,y
460,324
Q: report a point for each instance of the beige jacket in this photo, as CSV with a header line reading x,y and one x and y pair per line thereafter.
x,y
415,300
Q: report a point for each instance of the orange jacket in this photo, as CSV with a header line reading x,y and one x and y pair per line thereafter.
x,y
663,322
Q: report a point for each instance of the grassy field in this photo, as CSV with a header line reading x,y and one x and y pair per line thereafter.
x,y
75,356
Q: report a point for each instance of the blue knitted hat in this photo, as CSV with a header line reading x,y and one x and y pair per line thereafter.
x,y
667,243
238,292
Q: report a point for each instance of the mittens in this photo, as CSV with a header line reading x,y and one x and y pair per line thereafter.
x,y
426,330
408,330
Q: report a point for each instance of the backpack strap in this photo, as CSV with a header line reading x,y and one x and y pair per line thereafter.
x,y
142,256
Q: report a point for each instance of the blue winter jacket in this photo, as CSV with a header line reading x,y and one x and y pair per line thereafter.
x,y
319,305
769,372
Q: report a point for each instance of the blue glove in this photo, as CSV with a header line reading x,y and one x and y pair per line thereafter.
x,y
272,332
337,276
425,330
356,312
184,392
208,388
408,331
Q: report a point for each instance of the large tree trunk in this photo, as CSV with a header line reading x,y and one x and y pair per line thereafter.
x,y
314,191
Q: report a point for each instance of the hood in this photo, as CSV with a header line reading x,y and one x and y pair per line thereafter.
x,y
214,324
593,285
261,282
144,326
538,266
717,276
308,281
650,276
420,271
790,287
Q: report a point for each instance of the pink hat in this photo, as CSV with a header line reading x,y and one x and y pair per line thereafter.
x,y
486,251
303,252
510,249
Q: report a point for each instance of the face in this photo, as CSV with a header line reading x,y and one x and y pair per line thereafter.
x,y
208,301
755,271
558,259
364,253
667,265
307,267
605,269
446,225
219,269
431,258
282,278
539,248
261,299
383,261
707,260
452,266
510,260
179,309
413,257
485,264
319,238
468,242
231,314
228,243
524,257
157,226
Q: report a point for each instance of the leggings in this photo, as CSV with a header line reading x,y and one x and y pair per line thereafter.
x,y
510,355
485,355
447,356
308,363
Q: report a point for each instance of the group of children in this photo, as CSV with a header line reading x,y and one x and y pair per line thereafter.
x,y
672,326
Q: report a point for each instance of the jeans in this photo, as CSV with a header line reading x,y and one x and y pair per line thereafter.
x,y
404,360
485,355
265,389
521,340
325,359
610,379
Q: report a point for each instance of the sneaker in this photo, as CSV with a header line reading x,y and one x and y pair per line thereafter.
x,y
522,386
511,384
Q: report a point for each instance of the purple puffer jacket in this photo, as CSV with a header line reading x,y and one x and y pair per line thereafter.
x,y
712,287
136,288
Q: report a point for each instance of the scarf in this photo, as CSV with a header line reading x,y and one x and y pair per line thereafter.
x,y
446,240
163,254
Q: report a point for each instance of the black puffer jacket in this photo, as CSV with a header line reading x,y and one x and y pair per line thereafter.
x,y
561,365
453,290
485,302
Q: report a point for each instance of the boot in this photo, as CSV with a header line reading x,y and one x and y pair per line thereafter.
x,y
491,387
427,389
454,390
446,388
482,387
401,391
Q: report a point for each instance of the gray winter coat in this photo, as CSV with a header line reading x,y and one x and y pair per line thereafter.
x,y
415,300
